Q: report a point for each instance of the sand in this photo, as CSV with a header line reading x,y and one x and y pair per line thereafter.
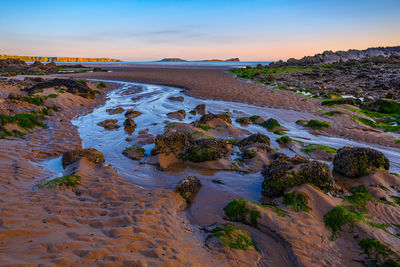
x,y
109,221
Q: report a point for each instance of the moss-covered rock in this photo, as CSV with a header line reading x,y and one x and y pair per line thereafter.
x,y
206,150
297,201
188,187
237,211
359,161
232,236
208,117
271,124
285,173
172,142
91,154
77,87
254,138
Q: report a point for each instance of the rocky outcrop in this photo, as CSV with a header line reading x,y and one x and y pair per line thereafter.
x,y
359,161
19,66
77,87
285,173
91,154
328,57
206,150
188,187
254,138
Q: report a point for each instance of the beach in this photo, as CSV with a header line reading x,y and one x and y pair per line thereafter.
x,y
127,212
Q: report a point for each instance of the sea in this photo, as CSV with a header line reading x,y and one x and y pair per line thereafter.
x,y
222,64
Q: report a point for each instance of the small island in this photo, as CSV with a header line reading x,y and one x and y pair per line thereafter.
x,y
206,60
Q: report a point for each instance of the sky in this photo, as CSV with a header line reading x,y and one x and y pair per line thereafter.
x,y
142,30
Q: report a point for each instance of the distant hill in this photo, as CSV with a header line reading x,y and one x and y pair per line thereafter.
x,y
207,60
172,60
59,59
328,57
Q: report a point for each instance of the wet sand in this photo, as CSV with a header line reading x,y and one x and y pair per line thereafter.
x,y
220,85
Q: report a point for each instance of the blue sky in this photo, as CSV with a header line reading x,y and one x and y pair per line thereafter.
x,y
149,30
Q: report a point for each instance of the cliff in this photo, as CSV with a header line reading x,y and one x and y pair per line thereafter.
x,y
58,59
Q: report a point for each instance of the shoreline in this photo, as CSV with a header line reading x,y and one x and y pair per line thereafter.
x,y
220,85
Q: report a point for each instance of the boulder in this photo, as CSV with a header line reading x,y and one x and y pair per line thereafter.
x,y
271,124
208,117
188,187
359,161
254,138
91,154
284,173
172,142
109,124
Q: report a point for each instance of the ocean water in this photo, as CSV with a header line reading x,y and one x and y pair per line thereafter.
x,y
228,64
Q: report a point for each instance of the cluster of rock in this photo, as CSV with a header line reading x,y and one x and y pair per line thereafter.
x,y
328,57
370,78
284,173
11,66
77,87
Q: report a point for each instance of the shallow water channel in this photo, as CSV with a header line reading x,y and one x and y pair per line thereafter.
x,y
152,101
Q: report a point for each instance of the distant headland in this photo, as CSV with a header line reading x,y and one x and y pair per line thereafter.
x,y
207,60
59,59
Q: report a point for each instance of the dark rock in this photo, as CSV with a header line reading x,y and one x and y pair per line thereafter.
x,y
91,154
172,142
210,116
180,114
177,98
254,138
188,187
134,153
109,124
206,150
200,109
129,126
77,87
130,114
359,161
285,173
113,111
